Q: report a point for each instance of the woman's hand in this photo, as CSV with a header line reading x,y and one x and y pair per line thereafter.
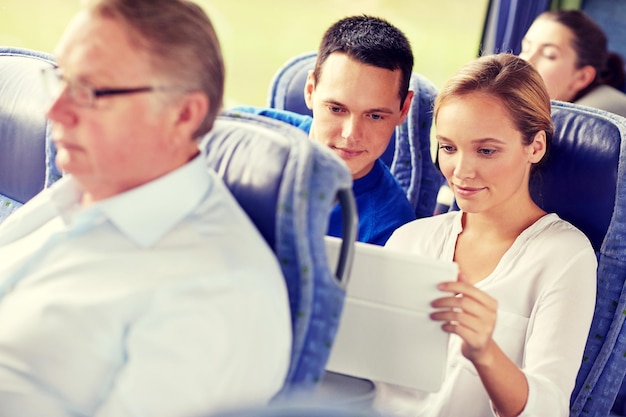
x,y
471,314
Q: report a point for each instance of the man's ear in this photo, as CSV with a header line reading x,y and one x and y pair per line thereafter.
x,y
191,111
584,77
309,88
406,106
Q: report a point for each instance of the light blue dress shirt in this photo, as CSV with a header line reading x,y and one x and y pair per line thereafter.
x,y
163,301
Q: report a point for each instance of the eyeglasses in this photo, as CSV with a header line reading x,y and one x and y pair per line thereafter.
x,y
85,95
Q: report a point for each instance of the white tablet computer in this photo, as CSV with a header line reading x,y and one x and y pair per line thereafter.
x,y
385,333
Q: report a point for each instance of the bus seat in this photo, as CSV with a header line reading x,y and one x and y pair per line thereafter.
x,y
610,15
408,155
26,153
287,86
584,181
578,180
288,186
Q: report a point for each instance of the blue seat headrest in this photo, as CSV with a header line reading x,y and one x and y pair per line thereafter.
x,y
23,124
288,186
579,177
256,186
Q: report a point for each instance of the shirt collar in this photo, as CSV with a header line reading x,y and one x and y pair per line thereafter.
x,y
146,213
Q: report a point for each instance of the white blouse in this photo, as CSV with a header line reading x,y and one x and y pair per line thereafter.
x,y
545,285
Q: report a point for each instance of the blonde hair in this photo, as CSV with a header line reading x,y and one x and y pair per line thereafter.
x,y
513,82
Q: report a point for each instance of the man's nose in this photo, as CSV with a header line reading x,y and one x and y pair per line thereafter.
x,y
351,129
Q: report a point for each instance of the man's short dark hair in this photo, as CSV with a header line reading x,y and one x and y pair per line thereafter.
x,y
371,41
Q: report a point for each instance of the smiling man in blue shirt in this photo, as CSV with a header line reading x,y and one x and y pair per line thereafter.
x,y
358,93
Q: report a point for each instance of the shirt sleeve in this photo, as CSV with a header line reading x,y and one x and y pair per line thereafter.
x,y
557,335
199,350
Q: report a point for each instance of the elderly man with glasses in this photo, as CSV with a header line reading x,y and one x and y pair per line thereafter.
x,y
126,288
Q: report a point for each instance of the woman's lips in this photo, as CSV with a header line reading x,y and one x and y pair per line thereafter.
x,y
467,191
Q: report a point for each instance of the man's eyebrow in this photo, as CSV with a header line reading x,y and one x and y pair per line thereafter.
x,y
334,103
380,110
372,110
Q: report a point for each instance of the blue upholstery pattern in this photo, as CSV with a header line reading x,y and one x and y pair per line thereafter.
x,y
287,86
412,163
578,180
288,186
610,15
588,154
26,152
409,152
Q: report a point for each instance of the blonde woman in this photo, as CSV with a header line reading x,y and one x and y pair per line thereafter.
x,y
516,340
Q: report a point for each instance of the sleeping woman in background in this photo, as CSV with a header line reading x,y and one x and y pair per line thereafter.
x,y
569,50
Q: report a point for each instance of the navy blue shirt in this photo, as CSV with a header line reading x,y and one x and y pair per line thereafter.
x,y
381,203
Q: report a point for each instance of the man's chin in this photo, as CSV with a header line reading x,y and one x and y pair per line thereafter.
x,y
359,171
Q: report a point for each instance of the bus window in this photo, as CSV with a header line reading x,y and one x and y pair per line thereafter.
x,y
258,37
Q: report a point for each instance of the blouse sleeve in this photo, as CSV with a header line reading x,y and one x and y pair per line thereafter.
x,y
557,334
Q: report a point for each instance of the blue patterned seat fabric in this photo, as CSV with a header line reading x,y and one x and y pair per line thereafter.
x,y
610,16
584,181
288,186
26,153
409,152
585,149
